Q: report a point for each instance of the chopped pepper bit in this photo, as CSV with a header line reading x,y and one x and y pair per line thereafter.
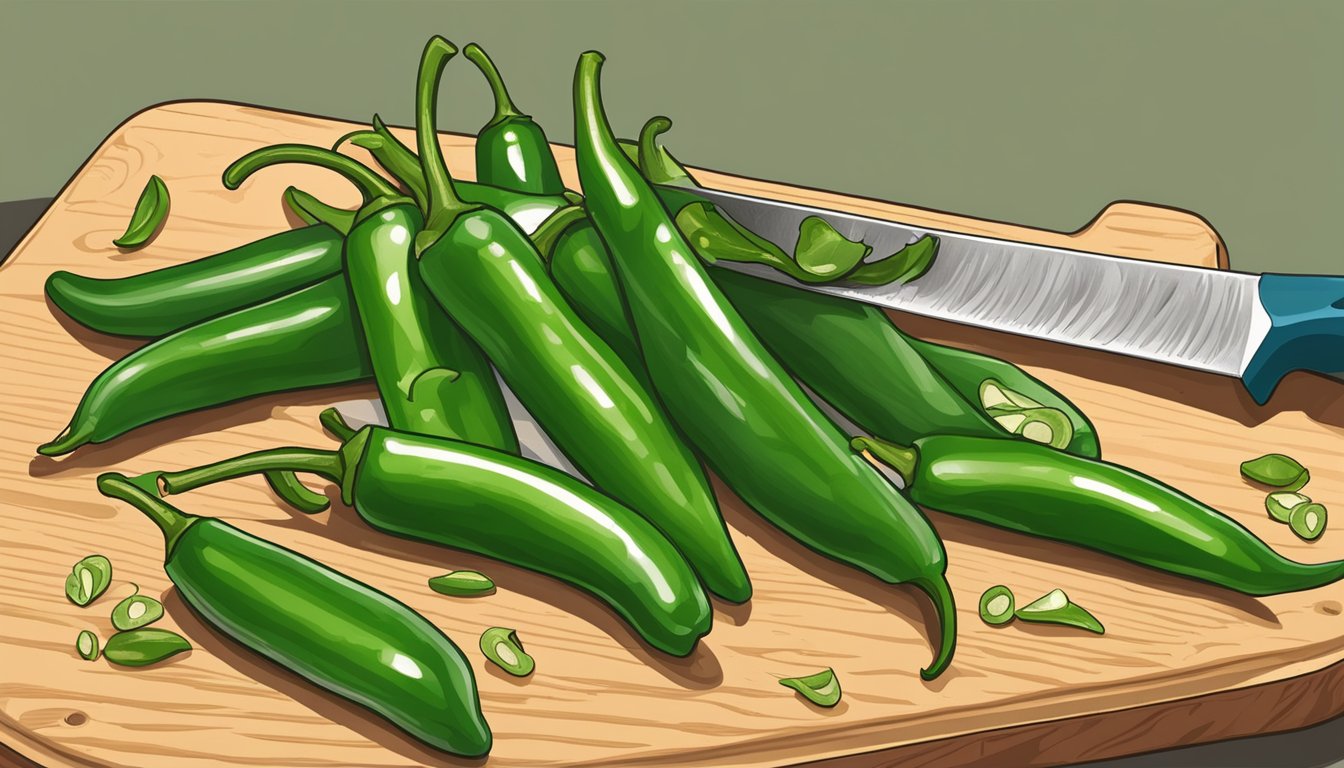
x,y
1055,607
822,688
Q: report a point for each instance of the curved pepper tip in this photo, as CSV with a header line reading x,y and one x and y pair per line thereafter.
x,y
64,443
940,592
735,588
440,45
477,743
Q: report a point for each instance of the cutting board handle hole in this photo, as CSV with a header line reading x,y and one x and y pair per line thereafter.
x,y
76,718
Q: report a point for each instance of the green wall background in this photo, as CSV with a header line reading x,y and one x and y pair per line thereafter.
x,y
1033,112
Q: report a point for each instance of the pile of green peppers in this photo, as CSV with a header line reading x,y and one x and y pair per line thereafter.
x,y
612,317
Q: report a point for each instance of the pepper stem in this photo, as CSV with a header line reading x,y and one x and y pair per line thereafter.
x,y
172,521
589,114
401,162
287,486
548,234
314,211
444,206
370,184
655,162
900,458
504,106
334,423
394,157
325,463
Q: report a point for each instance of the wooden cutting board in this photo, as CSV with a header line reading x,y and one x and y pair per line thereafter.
x,y
1180,662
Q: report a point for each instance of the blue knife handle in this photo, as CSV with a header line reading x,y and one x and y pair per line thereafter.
x,y
1306,331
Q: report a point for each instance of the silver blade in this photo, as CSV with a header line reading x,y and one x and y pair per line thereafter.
x,y
1206,319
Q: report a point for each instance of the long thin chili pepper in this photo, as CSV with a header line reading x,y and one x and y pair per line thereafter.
x,y
1030,488
489,277
304,339
338,633
431,378
503,506
154,303
735,403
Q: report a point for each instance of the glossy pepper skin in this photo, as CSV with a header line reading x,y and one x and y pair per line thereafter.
x,y
850,355
503,506
154,303
854,359
582,270
485,273
735,403
527,210
1033,489
338,633
511,150
966,370
716,238
158,302
307,338
431,378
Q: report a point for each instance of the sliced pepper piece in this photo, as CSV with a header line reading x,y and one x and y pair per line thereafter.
x,y
1055,607
462,584
1308,520
502,646
1280,505
1277,470
822,688
996,605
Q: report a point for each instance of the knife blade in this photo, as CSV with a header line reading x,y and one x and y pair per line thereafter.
x,y
1253,327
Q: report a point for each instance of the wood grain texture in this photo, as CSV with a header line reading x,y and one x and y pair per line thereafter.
x,y
1180,662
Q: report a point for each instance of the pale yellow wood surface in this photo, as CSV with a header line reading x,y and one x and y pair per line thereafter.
x,y
1180,662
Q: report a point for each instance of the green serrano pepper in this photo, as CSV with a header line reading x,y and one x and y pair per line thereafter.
x,y
335,632
756,428
491,280
480,500
511,149
1026,487
155,303
307,338
431,378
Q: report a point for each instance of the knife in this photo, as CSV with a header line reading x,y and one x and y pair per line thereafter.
x,y
1254,327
